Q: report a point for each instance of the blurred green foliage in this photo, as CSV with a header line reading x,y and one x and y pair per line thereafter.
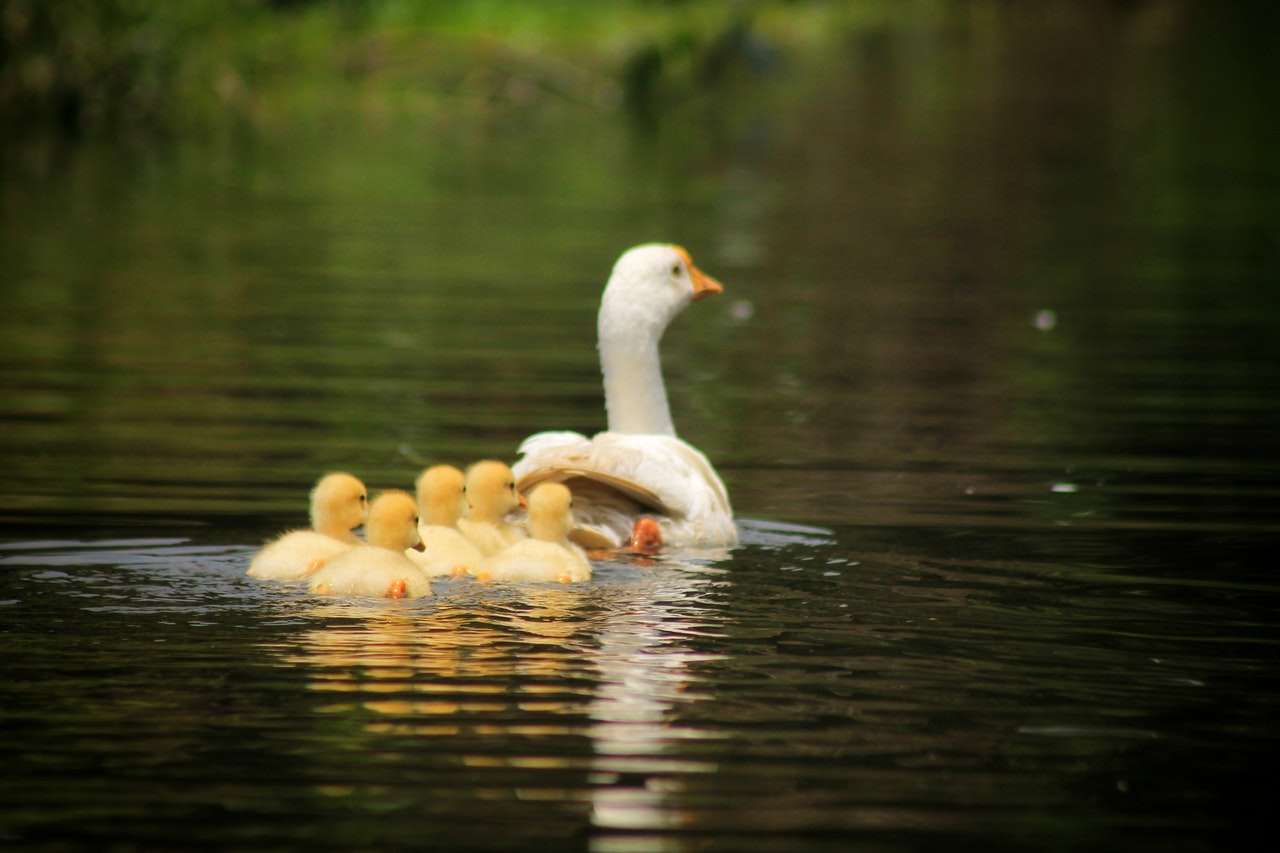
x,y
92,66
88,64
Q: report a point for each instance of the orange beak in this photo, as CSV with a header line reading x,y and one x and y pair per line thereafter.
x,y
521,503
703,284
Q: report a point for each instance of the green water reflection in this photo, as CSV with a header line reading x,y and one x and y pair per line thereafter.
x,y
204,326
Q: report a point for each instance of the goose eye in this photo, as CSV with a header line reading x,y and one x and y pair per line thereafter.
x,y
675,271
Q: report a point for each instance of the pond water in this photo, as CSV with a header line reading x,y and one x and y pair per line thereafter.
x,y
993,386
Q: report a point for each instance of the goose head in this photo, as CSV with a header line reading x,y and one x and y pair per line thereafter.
x,y
339,504
442,497
649,286
551,512
393,521
491,491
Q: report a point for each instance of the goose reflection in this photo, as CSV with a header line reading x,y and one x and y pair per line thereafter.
x,y
588,678
647,673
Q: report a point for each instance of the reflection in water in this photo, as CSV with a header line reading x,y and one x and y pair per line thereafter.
x,y
842,682
607,662
645,672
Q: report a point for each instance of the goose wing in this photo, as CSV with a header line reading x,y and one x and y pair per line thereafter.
x,y
660,473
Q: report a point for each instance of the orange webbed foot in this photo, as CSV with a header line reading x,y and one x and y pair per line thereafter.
x,y
397,588
313,568
646,537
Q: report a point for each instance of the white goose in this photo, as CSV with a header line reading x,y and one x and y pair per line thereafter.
x,y
637,483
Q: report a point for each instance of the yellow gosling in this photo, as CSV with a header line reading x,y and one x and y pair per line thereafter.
x,y
491,497
339,504
441,502
379,568
548,555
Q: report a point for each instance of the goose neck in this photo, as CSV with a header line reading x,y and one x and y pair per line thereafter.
x,y
635,396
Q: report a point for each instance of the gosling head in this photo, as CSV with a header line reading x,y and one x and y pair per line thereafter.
x,y
551,512
491,491
393,521
442,496
339,504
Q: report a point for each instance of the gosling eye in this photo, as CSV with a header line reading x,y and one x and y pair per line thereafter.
x,y
676,270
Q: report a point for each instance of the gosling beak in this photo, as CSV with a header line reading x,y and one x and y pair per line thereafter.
x,y
420,547
521,503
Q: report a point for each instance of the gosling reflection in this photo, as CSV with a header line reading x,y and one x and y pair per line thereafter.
x,y
521,675
467,657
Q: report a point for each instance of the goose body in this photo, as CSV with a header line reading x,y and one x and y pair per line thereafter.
x,y
441,503
339,503
638,468
547,555
491,497
379,568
